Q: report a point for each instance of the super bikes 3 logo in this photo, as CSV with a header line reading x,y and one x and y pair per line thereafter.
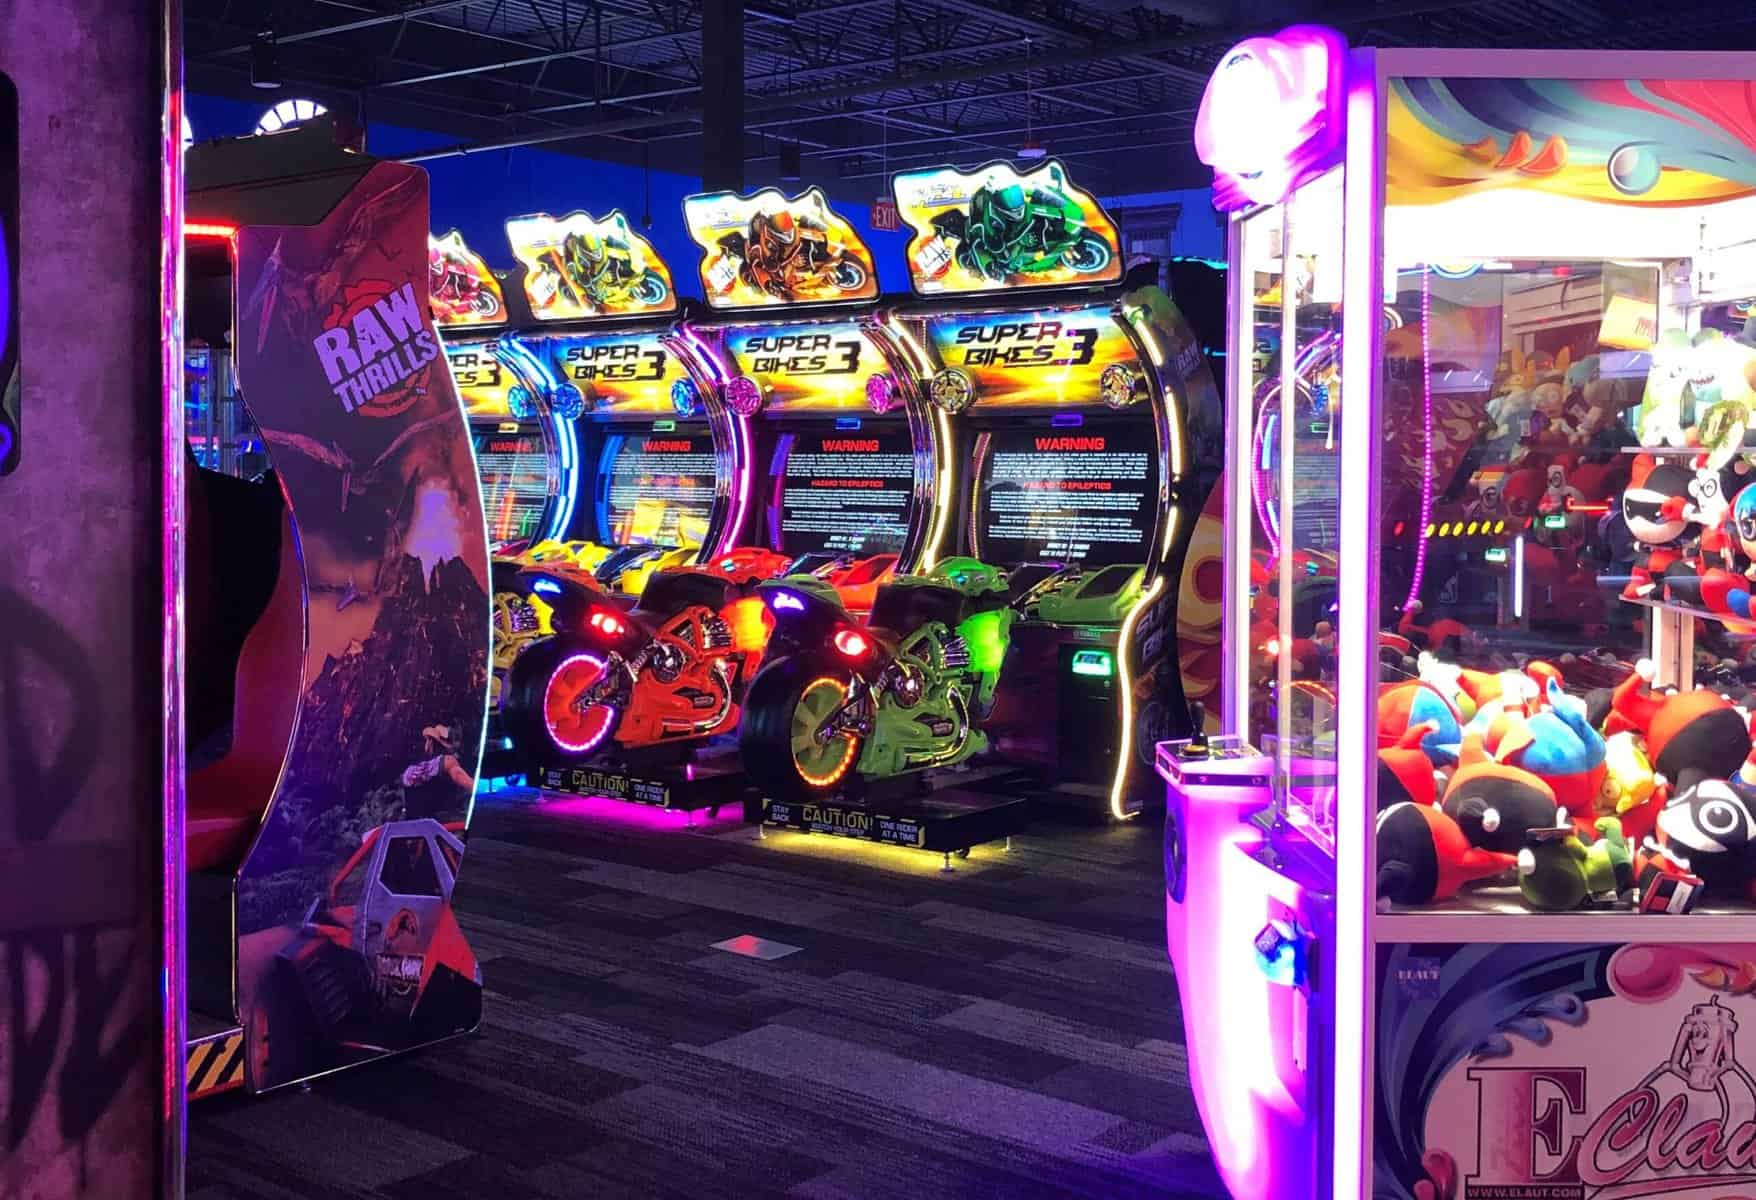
x,y
802,354
1015,345
1688,1126
375,348
617,362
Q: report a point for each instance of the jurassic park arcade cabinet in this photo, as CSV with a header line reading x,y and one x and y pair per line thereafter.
x,y
628,641
337,640
528,466
1460,903
1066,402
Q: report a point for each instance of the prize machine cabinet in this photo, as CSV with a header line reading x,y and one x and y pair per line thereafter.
x,y
1071,407
1460,904
337,653
635,636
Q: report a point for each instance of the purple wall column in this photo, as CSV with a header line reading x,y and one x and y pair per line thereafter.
x,y
85,1096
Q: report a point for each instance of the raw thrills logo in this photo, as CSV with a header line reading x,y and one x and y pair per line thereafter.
x,y
375,348
1688,1127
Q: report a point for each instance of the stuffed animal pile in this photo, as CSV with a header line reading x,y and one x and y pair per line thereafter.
x,y
1628,797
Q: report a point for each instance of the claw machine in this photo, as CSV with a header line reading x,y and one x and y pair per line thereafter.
x,y
1460,900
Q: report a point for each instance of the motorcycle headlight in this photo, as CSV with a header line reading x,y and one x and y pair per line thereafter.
x,y
953,390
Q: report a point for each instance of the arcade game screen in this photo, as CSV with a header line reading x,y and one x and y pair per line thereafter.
x,y
1084,496
841,491
655,488
514,467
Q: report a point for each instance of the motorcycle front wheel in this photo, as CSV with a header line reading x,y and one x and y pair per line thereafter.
x,y
1089,255
783,756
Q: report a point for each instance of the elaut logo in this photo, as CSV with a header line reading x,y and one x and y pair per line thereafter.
x,y
1688,1126
375,348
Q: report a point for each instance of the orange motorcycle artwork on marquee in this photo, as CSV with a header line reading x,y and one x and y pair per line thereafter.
x,y
994,229
460,288
580,266
765,249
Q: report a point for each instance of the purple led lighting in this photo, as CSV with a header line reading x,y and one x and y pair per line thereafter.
x,y
880,392
743,470
1272,115
743,395
590,743
606,809
786,600
1414,586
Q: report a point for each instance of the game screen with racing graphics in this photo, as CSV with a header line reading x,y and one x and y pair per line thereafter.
x,y
514,468
841,490
655,488
1075,495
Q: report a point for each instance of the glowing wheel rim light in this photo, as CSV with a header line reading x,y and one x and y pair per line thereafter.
x,y
685,397
953,390
569,402
743,396
823,764
570,729
880,392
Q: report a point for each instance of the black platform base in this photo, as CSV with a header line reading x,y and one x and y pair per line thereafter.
x,y
908,811
711,783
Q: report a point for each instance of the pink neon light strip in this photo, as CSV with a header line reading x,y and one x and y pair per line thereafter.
x,y
1414,586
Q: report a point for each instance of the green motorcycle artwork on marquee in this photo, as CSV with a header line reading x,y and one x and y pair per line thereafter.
x,y
1021,228
837,702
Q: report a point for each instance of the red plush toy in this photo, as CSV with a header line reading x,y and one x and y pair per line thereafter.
x,y
1405,773
1423,856
1689,735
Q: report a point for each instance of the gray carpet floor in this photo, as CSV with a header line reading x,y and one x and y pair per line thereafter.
x,y
1008,1029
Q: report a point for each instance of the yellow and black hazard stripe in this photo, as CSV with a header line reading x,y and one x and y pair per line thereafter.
x,y
215,1064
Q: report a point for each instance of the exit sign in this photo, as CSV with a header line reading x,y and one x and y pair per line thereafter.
x,y
885,217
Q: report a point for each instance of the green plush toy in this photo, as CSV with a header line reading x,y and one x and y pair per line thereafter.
x,y
1557,872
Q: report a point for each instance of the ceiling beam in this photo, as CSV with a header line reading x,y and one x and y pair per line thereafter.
x,y
759,105
386,18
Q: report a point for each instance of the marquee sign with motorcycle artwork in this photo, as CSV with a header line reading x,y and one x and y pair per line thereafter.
x,y
1583,1071
766,250
580,267
994,229
461,289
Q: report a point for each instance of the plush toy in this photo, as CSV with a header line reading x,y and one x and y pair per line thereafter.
x,y
1711,826
1423,856
1654,507
1494,802
1629,789
1405,773
1510,411
1558,744
1689,735
1660,420
1557,872
1522,493
1403,705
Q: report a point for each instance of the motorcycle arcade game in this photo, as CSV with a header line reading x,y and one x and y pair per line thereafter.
x,y
337,657
1474,920
839,477
1067,399
636,638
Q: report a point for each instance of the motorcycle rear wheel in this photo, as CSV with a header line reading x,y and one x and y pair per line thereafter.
x,y
649,289
1089,255
539,707
788,702
849,276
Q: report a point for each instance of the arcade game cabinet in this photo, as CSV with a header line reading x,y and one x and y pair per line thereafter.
x,y
1460,901
528,466
647,637
838,465
1070,401
326,826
